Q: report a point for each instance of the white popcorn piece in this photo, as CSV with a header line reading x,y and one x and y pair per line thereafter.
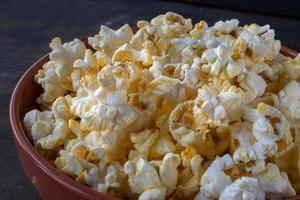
x,y
114,177
168,171
105,117
45,118
108,40
40,129
243,188
274,181
227,27
253,86
151,194
292,66
61,108
169,88
219,101
89,61
289,102
142,176
72,165
218,62
193,165
181,125
57,137
271,129
172,24
53,76
214,180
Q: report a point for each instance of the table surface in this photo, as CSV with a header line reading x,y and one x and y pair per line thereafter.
x,y
27,27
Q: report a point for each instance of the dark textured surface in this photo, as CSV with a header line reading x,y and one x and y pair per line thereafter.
x,y
276,7
26,27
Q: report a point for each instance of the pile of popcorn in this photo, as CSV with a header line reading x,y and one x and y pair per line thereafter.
x,y
172,111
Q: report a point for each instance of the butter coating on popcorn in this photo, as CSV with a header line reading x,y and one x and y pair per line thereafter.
x,y
172,110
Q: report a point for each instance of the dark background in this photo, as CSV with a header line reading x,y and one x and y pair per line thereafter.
x,y
27,26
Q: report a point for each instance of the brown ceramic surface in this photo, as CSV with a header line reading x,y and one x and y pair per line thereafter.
x,y
50,182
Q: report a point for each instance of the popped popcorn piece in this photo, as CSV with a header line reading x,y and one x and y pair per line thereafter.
x,y
168,88
89,61
53,76
172,24
72,165
189,177
56,137
199,29
227,27
61,108
289,102
156,193
114,177
142,176
273,128
168,171
214,180
38,124
291,67
219,101
274,181
182,126
218,62
105,117
243,188
108,40
152,145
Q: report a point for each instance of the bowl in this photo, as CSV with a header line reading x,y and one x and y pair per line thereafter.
x,y
49,181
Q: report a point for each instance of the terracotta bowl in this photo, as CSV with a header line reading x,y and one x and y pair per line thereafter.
x,y
50,182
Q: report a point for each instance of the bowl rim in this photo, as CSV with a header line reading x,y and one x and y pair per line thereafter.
x,y
22,139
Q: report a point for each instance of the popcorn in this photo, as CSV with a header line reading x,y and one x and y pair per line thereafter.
x,y
53,76
61,108
142,176
150,145
169,88
253,86
274,129
181,124
243,188
114,177
286,163
227,27
214,180
218,62
40,120
172,111
168,171
55,138
291,67
189,177
89,61
172,24
156,193
72,165
274,181
289,102
219,101
199,29
40,129
108,40
105,117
